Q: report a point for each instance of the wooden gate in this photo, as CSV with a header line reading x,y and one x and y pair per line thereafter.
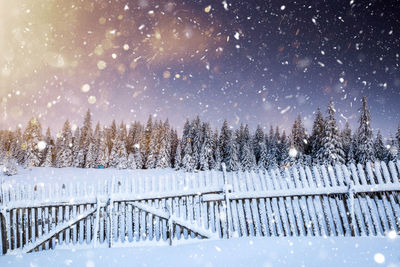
x,y
297,201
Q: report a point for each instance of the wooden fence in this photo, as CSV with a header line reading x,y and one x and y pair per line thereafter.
x,y
297,201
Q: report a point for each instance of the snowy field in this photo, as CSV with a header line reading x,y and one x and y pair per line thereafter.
x,y
38,175
361,251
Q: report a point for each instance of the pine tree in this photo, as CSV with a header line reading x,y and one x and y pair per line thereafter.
x,y
174,145
365,144
398,135
233,161
188,161
283,157
103,153
379,147
148,133
77,152
10,166
272,148
118,155
32,136
298,136
317,135
131,164
164,157
216,151
48,162
263,162
86,138
138,156
258,140
248,159
331,151
347,139
224,142
16,146
207,161
154,147
178,157
64,153
393,153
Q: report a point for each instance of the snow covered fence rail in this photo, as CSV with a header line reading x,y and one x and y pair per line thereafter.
x,y
297,201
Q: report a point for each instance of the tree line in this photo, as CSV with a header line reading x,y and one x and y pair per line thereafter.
x,y
157,145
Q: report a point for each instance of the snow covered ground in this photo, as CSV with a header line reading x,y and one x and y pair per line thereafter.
x,y
65,175
336,251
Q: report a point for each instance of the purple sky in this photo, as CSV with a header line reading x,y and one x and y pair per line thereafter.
x,y
247,61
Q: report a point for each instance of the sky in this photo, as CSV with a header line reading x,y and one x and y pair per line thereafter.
x,y
255,62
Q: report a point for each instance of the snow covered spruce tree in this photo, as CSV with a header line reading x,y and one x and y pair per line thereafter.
x,y
347,142
331,151
263,161
10,167
32,136
272,148
298,138
381,153
154,146
247,158
103,154
207,161
216,151
16,145
188,163
365,142
233,156
118,157
64,151
317,135
164,149
178,157
224,142
196,137
258,140
78,156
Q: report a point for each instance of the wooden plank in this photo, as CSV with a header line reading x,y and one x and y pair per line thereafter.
x,y
261,204
149,218
271,203
384,201
248,215
371,203
318,200
313,205
254,207
360,223
240,209
310,205
391,197
380,207
281,204
340,203
370,230
339,231
296,206
303,202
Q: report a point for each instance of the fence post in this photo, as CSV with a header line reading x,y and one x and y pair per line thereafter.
x,y
227,192
170,226
1,232
96,223
352,191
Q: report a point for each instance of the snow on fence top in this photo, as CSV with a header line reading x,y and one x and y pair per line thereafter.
x,y
295,180
335,200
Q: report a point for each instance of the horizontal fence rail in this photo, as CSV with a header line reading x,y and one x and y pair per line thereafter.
x,y
338,200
